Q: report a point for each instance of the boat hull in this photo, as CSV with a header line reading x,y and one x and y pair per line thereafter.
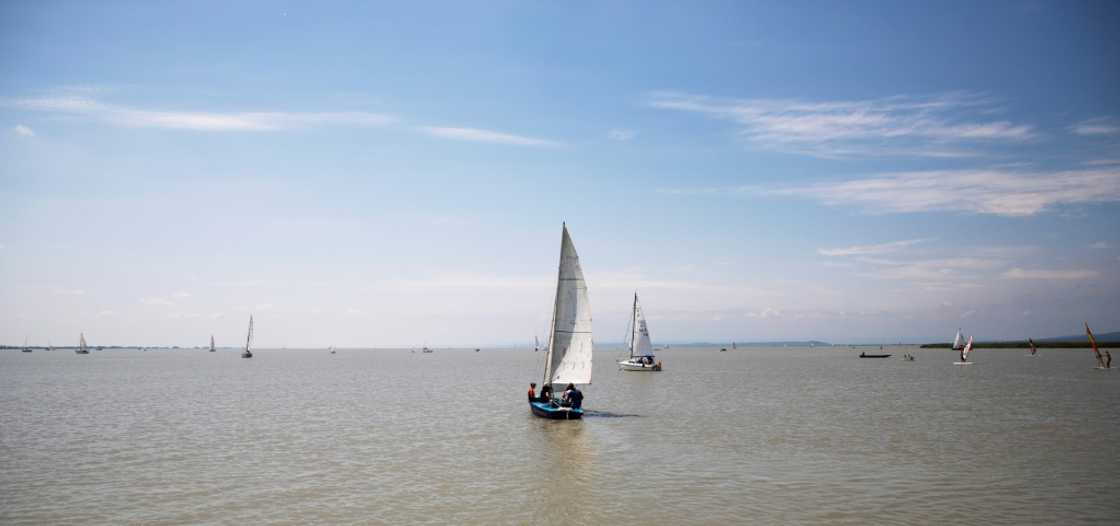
x,y
874,356
246,355
552,412
631,366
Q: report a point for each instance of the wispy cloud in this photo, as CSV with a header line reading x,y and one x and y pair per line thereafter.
x,y
621,135
996,192
489,136
1097,126
23,131
1019,273
122,115
866,250
948,125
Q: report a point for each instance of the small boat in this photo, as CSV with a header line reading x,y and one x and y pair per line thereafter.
x,y
332,349
724,349
641,349
426,350
477,349
1103,361
83,348
908,357
247,352
212,348
25,347
536,344
1034,350
958,342
569,345
964,353
865,355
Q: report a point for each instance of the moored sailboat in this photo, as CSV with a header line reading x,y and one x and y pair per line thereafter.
x,y
212,348
247,352
568,358
83,348
25,347
641,349
964,353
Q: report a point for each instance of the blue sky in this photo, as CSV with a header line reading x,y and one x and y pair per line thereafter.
x,y
363,174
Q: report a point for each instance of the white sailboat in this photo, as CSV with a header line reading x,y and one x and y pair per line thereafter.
x,y
964,353
212,348
83,348
25,347
332,349
247,353
641,349
568,360
958,342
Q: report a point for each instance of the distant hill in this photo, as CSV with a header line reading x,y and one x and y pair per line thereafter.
x,y
738,344
1101,337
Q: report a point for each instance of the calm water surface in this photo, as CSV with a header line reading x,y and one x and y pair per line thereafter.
x,y
763,436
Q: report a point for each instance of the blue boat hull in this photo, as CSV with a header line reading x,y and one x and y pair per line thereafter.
x,y
545,410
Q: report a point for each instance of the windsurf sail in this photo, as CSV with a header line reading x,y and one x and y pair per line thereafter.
x,y
1093,343
1034,350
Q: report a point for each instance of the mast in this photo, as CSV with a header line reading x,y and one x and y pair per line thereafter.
x,y
634,326
211,342
249,339
555,310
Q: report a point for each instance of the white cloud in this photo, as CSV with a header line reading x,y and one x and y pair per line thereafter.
x,y
621,135
1098,126
156,301
199,120
1019,273
1100,245
890,127
994,192
479,135
768,312
863,250
23,131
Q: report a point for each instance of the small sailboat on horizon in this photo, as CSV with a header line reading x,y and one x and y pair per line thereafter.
x,y
83,347
212,348
568,358
641,348
964,353
247,352
1034,350
25,347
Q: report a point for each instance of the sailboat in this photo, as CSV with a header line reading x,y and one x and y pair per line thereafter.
x,y
25,347
641,349
247,353
536,344
83,348
733,346
958,342
1034,350
332,349
964,353
568,359
212,348
1102,361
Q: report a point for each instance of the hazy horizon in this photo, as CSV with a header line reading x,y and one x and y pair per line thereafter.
x,y
398,174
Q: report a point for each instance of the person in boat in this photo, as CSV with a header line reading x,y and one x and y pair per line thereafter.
x,y
862,354
573,397
532,391
546,394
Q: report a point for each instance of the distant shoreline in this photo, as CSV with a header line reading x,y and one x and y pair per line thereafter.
x,y
1024,345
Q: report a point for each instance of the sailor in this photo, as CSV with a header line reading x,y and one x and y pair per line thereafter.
x,y
573,397
1107,359
546,393
532,391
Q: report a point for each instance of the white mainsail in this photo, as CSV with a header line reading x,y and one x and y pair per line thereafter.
x,y
967,349
640,344
569,346
249,339
212,343
958,342
82,342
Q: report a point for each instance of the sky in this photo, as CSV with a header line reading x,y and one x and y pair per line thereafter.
x,y
376,174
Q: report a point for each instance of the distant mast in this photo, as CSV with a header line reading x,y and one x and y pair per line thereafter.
x,y
212,349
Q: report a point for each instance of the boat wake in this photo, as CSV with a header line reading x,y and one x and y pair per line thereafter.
x,y
587,413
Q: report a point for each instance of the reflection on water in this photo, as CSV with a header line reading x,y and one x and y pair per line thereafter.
x,y
768,436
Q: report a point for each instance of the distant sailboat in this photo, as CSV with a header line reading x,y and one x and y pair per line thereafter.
x,y
212,348
1034,350
25,347
247,352
332,349
569,344
426,350
958,342
964,353
733,346
1103,362
83,348
536,344
641,349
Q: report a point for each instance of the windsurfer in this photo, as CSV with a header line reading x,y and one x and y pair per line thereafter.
x,y
1107,360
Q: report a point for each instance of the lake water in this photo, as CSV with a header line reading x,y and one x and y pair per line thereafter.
x,y
763,436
